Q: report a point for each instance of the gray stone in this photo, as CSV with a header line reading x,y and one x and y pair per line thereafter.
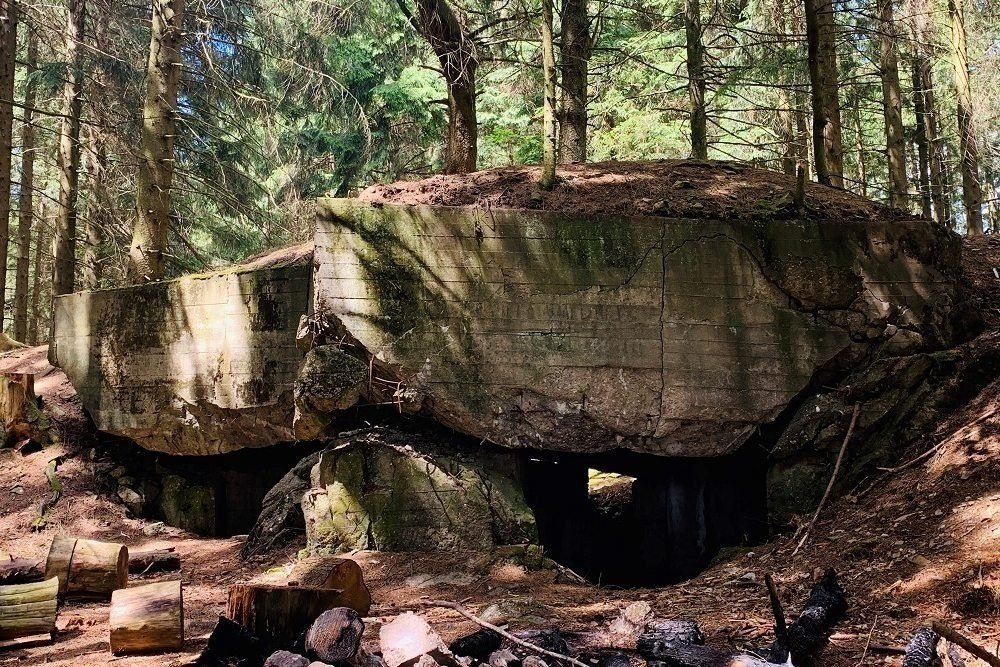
x,y
407,637
330,380
133,501
286,659
402,492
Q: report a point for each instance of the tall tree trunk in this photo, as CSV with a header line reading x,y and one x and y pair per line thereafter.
x,y
8,62
802,131
156,163
892,100
696,79
972,192
821,41
549,106
923,145
26,198
859,138
786,133
41,269
456,52
99,204
64,245
576,51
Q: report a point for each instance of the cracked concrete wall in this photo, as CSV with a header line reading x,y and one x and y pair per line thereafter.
x,y
194,366
578,332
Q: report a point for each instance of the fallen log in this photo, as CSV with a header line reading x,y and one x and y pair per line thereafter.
x,y
825,607
28,609
17,402
30,641
343,574
280,615
961,640
87,568
21,571
147,618
921,651
155,560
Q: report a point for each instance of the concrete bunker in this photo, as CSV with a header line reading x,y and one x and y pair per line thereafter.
x,y
672,350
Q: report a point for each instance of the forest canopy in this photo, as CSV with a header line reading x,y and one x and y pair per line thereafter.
x,y
144,140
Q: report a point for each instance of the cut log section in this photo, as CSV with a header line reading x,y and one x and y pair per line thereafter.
x,y
324,572
661,638
87,568
147,619
28,609
21,571
921,651
155,560
280,615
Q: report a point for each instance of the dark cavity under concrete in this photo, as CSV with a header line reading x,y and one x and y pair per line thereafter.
x,y
664,527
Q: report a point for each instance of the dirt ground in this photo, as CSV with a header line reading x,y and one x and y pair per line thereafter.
x,y
670,188
923,542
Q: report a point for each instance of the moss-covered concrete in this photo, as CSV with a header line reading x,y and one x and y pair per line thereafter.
x,y
580,332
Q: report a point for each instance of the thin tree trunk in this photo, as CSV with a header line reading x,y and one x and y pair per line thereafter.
x,y
576,51
549,106
26,198
64,246
156,163
802,132
972,193
8,63
923,146
892,100
41,269
860,145
696,79
786,132
822,49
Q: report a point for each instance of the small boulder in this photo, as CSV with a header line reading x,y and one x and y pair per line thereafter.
x,y
503,658
335,635
286,659
406,638
479,645
533,661
632,620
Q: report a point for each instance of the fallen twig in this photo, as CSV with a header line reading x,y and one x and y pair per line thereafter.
x,y
500,631
833,478
954,637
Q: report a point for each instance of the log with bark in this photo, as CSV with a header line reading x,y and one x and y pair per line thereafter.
x,y
660,638
155,560
147,619
280,615
343,574
17,405
921,651
28,609
231,644
87,568
21,571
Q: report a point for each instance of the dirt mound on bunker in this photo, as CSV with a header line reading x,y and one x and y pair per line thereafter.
x,y
667,188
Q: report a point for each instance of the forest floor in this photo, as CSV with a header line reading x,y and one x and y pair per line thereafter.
x,y
922,543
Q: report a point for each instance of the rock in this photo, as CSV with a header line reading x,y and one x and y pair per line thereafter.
x,y
604,659
281,510
231,645
133,501
286,659
391,490
682,335
329,380
533,661
365,658
407,637
336,635
550,640
503,658
478,645
506,610
187,505
632,620
155,528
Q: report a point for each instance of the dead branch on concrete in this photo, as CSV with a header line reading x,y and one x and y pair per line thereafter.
x,y
833,478
500,631
954,637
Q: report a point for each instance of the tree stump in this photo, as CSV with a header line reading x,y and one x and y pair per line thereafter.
x,y
87,568
147,619
17,398
28,609
155,560
280,615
